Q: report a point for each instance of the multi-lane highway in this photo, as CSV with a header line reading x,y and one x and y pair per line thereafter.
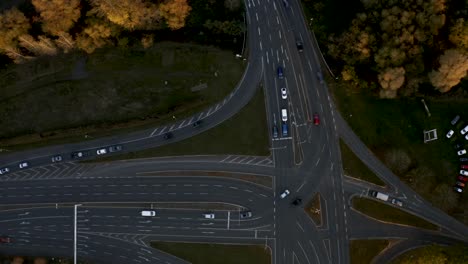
x,y
37,203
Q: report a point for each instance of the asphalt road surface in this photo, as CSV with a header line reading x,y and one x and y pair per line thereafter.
x,y
37,202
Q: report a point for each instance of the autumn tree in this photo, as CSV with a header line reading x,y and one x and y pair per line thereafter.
x,y
453,67
95,35
175,12
459,34
13,24
39,47
130,14
57,16
391,79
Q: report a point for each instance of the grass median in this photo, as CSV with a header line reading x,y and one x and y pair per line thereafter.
x,y
363,251
198,253
75,97
455,254
387,213
245,133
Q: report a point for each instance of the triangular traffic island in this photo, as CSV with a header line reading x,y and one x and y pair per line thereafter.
x,y
314,209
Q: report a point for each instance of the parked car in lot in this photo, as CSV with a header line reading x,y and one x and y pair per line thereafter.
x,y
316,119
466,136
464,130
455,120
4,170
463,159
101,151
461,184
450,134
284,93
457,189
461,152
23,165
464,172
458,146
396,202
462,178
57,158
209,216
168,135
464,166
284,193
245,214
115,148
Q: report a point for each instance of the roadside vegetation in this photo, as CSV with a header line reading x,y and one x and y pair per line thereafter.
x,y
198,253
434,254
402,52
37,260
104,68
242,134
314,210
363,251
387,213
354,167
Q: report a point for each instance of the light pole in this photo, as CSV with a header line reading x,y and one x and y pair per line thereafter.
x,y
74,233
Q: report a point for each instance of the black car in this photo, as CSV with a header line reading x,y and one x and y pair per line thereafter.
x,y
297,202
275,131
79,154
168,135
115,148
463,159
458,146
300,46
197,123
245,214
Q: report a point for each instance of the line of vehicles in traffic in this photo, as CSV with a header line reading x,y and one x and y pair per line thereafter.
x,y
385,197
208,215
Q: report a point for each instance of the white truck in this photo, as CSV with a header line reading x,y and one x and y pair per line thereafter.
x,y
378,195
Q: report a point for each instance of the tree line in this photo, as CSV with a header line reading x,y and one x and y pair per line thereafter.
x,y
54,26
402,44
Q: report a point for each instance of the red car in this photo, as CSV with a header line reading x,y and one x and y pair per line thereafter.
x,y
464,166
463,179
5,240
316,119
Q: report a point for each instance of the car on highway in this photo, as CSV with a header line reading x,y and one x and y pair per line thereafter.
x,y
80,154
280,73
57,158
101,151
197,123
316,119
209,216
462,178
464,172
23,165
457,189
455,120
300,46
168,135
320,77
284,114
460,184
284,94
297,202
461,152
396,202
464,130
275,131
148,213
450,134
5,240
245,214
115,148
4,170
284,193
284,129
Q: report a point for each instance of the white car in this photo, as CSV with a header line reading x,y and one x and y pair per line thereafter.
x,y
463,132
101,151
284,114
461,152
464,172
397,202
457,189
209,216
450,134
4,170
148,213
284,194
23,165
284,94
466,137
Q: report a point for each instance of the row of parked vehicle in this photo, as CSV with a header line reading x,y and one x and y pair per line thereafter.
x,y
462,178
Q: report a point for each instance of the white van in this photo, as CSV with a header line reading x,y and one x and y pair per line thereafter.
x,y
148,213
284,114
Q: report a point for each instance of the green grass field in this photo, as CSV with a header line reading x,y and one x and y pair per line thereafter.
x,y
434,254
245,133
216,253
63,98
354,167
390,214
363,251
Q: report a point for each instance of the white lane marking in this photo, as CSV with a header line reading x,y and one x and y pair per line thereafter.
x,y
274,6
261,47
279,33
277,20
256,15
300,226
259,31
